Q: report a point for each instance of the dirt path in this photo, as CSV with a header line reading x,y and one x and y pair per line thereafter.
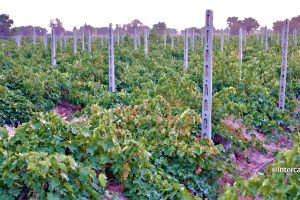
x,y
66,109
251,161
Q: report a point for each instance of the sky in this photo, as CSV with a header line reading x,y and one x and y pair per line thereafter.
x,y
177,14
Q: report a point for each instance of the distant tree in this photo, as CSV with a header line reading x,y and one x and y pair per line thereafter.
x,y
68,33
58,26
250,24
86,28
159,28
247,24
5,24
196,30
102,30
231,21
277,26
134,25
295,23
234,25
28,30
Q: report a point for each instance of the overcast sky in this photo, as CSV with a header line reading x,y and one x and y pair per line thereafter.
x,y
176,13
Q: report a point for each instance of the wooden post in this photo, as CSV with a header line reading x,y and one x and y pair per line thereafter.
x,y
53,48
283,74
207,76
145,42
185,50
111,73
241,45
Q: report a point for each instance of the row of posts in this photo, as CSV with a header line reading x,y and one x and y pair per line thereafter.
x,y
207,38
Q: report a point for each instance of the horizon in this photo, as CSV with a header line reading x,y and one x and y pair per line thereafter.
x,y
183,14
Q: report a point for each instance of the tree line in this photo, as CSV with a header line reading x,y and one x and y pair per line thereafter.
x,y
233,25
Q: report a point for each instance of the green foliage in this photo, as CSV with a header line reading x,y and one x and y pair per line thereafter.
x,y
14,108
145,136
47,176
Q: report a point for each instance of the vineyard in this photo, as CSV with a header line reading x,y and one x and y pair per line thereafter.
x,y
114,117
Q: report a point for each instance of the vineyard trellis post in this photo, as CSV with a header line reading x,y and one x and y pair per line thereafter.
x,y
45,40
75,40
222,40
34,38
60,43
146,41
266,38
139,39
228,35
245,38
18,41
111,74
207,76
82,39
262,38
282,34
118,35
89,41
185,49
165,38
241,45
53,47
193,40
202,37
295,34
122,38
16,38
172,40
283,74
65,41
135,39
